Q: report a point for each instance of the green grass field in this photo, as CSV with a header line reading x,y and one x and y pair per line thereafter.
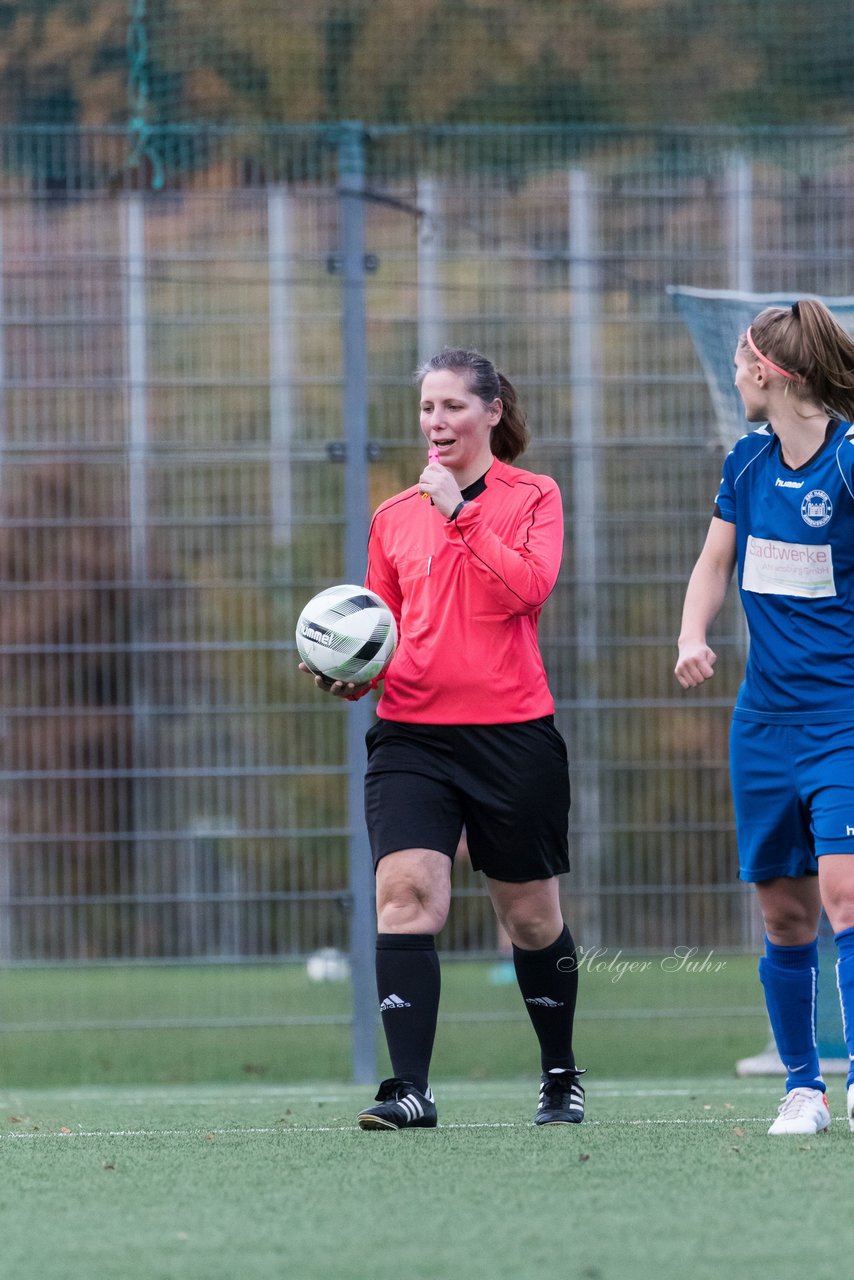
x,y
665,1179
135,1148
124,1025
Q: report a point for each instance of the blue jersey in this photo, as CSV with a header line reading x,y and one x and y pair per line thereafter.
x,y
795,540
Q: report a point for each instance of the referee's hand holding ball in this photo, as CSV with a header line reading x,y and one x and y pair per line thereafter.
x,y
338,688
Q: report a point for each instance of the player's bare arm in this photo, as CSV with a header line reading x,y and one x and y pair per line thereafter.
x,y
704,597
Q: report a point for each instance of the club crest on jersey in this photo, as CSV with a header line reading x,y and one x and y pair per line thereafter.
x,y
816,508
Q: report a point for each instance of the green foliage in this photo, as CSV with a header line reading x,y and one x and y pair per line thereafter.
x,y
438,61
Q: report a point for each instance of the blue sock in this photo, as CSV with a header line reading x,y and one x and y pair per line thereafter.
x,y
845,983
790,978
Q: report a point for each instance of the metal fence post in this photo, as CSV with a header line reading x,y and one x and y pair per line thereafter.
x,y
585,371
279,234
5,847
136,356
739,222
351,161
431,321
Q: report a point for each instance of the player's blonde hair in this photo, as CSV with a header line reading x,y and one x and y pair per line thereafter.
x,y
812,347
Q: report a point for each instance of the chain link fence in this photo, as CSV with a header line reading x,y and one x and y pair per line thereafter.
x,y
174,426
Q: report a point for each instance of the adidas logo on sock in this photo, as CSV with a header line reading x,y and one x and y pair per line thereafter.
x,y
545,1001
394,1002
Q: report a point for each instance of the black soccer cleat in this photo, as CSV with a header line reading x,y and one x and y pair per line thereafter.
x,y
561,1099
401,1107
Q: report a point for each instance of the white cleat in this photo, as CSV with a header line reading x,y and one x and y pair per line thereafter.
x,y
804,1111
851,1107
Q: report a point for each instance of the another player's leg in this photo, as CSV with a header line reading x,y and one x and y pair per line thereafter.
x,y
845,984
789,975
836,876
413,894
776,853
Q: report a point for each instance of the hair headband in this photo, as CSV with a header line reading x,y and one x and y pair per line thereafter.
x,y
795,377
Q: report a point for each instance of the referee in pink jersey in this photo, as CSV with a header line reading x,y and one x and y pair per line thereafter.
x,y
465,736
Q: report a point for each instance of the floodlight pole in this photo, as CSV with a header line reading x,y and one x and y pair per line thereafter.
x,y
351,204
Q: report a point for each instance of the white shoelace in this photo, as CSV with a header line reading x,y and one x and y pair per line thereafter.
x,y
798,1101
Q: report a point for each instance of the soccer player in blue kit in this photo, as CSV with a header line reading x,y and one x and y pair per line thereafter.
x,y
785,515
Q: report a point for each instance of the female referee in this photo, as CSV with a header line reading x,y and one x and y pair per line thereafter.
x,y
785,515
465,735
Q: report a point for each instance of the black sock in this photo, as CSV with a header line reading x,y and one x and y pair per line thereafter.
x,y
408,985
548,980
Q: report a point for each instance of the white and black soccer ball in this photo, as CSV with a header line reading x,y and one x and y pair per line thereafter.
x,y
347,633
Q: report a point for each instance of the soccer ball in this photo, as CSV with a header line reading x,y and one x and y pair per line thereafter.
x,y
346,633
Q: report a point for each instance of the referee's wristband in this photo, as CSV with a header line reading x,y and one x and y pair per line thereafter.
x,y
457,509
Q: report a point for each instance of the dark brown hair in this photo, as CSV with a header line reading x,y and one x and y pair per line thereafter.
x,y
807,341
510,434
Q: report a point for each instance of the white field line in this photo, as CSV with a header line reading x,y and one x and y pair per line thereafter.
x,y
188,1095
208,1134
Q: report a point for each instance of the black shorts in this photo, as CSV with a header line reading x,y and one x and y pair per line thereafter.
x,y
507,784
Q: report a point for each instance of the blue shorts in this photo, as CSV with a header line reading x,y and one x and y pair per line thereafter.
x,y
793,788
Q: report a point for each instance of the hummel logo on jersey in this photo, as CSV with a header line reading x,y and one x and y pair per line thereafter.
x,y
545,1001
394,1002
849,831
788,484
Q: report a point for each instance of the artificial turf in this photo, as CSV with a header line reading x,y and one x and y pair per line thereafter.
x,y
666,1178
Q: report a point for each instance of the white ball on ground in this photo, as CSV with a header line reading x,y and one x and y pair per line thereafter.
x,y
328,965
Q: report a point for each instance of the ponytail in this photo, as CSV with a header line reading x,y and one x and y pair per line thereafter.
x,y
808,343
510,435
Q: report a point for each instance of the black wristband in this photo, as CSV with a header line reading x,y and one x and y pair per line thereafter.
x,y
457,509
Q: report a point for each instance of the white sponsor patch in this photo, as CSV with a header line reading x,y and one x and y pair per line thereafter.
x,y
787,569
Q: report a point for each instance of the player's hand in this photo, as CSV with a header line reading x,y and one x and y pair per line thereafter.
x,y
437,483
338,688
696,664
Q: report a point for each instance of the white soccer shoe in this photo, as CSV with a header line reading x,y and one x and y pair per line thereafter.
x,y
851,1107
803,1111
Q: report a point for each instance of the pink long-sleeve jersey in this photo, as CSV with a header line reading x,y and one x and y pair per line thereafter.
x,y
467,596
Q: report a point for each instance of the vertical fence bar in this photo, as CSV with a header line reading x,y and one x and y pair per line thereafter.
x,y
279,236
137,480
739,233
351,162
431,325
739,217
5,847
585,370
